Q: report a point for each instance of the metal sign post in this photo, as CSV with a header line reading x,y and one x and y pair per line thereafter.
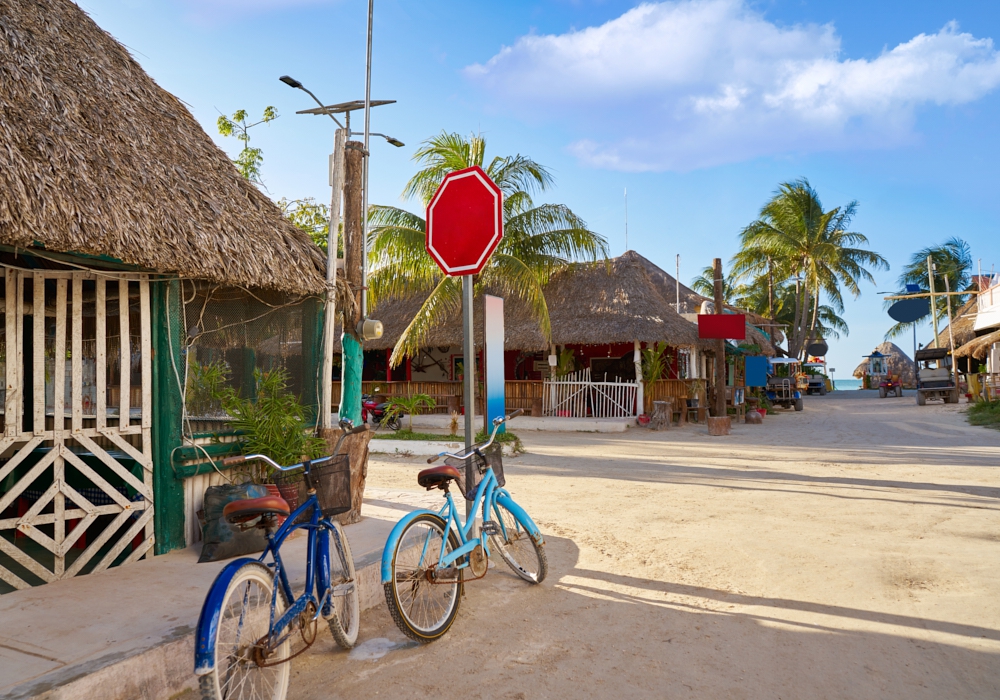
x,y
469,362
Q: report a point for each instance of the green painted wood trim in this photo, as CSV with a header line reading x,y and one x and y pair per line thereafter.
x,y
168,486
189,452
189,470
105,260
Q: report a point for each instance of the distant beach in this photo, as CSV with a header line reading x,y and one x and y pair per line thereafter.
x,y
846,384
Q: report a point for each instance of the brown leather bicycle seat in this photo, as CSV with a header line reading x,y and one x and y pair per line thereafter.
x,y
246,509
437,477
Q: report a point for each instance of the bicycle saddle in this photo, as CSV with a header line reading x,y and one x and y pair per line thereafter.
x,y
247,509
437,477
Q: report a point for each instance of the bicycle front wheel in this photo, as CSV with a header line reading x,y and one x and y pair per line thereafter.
x,y
523,555
346,608
244,667
422,597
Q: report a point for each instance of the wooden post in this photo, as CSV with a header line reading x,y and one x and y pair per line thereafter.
x,y
337,187
930,276
720,347
640,407
353,354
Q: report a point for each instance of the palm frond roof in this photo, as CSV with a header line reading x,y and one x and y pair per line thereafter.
x,y
96,158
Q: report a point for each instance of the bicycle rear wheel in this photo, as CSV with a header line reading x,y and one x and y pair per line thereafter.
x,y
523,555
243,665
422,598
346,608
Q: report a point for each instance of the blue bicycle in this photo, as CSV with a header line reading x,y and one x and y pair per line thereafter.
x,y
251,616
427,553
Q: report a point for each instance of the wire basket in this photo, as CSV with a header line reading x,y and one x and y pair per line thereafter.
x,y
491,457
332,481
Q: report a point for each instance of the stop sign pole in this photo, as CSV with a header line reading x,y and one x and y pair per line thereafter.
x,y
464,227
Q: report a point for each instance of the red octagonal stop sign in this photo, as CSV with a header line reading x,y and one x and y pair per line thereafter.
x,y
464,221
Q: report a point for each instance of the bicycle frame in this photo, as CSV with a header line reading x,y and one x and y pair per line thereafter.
x,y
484,495
317,579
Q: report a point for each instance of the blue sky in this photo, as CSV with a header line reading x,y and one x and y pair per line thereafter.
x,y
700,108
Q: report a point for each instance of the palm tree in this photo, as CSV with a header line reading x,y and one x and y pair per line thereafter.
x,y
953,259
795,238
537,241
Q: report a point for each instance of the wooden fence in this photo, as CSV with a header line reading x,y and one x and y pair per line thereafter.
x,y
666,389
524,394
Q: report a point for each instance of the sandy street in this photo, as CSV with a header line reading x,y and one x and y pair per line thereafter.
x,y
849,551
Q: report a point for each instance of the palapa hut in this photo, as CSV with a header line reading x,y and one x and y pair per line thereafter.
x,y
134,257
899,363
601,315
691,304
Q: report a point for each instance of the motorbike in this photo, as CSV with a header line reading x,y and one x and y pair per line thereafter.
x,y
377,414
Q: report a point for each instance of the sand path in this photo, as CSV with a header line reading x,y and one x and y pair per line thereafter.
x,y
848,551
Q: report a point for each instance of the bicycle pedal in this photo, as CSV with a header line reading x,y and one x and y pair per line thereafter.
x,y
342,589
490,528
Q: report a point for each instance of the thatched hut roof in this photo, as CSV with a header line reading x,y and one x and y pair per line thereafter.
x,y
96,158
691,301
899,363
979,347
589,304
613,302
520,330
963,326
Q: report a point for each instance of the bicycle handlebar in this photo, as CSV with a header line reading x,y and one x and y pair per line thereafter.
x,y
497,422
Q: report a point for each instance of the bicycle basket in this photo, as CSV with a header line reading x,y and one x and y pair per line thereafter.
x,y
492,457
332,481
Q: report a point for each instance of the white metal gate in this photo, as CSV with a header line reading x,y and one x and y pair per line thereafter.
x,y
76,480
577,396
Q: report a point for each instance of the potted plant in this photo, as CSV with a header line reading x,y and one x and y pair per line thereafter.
x,y
695,389
273,424
410,406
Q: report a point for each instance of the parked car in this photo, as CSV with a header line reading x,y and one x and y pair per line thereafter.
x,y
785,382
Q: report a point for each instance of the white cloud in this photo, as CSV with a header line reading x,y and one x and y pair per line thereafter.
x,y
695,83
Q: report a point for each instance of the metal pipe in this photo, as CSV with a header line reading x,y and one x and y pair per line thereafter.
x,y
364,201
469,362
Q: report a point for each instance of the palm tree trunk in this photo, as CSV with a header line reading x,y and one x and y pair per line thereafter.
x,y
770,289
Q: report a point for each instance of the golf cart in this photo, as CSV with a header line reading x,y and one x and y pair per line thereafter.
x,y
935,378
785,382
880,376
816,378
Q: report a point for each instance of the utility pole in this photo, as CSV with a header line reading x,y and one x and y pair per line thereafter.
x,y
951,333
930,275
353,353
720,347
330,316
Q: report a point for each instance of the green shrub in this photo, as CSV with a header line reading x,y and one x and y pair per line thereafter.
x,y
986,413
273,424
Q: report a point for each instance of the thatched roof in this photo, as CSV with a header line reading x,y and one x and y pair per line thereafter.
x,y
589,304
520,330
979,347
613,302
899,363
963,326
691,301
96,158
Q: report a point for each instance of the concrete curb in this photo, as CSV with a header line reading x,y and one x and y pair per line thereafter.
x,y
166,670
422,447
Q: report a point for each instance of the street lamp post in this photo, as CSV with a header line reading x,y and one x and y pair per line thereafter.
x,y
337,169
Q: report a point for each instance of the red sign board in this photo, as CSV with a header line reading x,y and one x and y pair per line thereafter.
x,y
464,221
725,326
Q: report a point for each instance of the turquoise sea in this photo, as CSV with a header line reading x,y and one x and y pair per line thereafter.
x,y
846,384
